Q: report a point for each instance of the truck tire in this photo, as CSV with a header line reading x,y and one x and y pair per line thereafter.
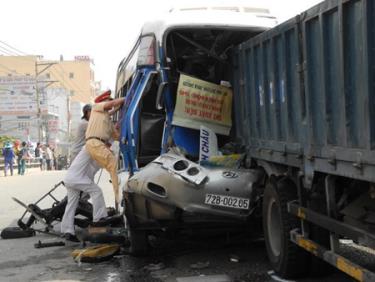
x,y
287,259
138,239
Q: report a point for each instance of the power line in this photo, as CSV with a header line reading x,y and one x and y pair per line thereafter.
x,y
6,51
9,51
63,82
76,86
10,46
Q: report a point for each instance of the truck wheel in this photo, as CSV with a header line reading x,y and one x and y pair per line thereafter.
x,y
286,258
138,242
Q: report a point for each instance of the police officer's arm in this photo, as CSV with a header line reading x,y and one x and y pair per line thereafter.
x,y
115,134
116,103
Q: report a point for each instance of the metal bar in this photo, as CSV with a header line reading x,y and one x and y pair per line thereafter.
x,y
302,199
53,197
335,226
50,191
355,271
331,208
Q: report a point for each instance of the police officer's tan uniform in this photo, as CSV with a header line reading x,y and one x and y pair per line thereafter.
x,y
98,134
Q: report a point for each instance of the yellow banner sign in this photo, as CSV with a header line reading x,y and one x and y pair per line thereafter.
x,y
203,103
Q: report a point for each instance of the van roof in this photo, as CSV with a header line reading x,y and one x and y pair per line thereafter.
x,y
217,16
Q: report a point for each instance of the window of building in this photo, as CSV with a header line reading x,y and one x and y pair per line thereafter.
x,y
48,76
21,126
71,75
27,74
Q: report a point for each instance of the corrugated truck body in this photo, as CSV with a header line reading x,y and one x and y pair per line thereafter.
x,y
306,90
305,110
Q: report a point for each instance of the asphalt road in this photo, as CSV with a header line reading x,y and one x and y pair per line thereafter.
x,y
187,259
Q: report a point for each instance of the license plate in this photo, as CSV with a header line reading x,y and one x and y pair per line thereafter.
x,y
227,201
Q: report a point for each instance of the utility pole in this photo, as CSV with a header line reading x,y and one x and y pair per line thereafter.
x,y
49,82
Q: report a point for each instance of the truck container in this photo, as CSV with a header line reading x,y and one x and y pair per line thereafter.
x,y
304,96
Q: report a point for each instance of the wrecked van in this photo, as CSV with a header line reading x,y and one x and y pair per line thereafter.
x,y
176,80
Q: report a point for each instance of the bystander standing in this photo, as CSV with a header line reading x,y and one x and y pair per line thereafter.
x,y
79,137
49,157
9,156
39,154
22,157
54,154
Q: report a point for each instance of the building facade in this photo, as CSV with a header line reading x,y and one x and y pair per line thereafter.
x,y
39,98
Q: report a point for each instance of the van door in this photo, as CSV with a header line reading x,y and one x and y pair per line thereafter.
x,y
141,126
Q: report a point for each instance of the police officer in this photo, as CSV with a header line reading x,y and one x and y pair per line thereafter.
x,y
80,138
100,131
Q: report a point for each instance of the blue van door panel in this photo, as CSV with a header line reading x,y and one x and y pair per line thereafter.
x,y
130,122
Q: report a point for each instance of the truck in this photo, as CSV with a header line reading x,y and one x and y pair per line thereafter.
x,y
302,116
306,90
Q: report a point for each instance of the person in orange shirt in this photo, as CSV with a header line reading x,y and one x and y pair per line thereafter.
x,y
100,130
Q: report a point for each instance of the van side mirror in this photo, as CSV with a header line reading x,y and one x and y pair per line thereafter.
x,y
159,96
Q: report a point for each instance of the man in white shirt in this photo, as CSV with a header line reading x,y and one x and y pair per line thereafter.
x,y
80,178
80,138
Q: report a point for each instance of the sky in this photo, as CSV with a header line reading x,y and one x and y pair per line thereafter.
x,y
105,30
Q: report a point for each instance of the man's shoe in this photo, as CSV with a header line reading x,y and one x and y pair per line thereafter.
x,y
71,238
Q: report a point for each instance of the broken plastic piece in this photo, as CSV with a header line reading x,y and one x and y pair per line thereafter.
x,y
96,253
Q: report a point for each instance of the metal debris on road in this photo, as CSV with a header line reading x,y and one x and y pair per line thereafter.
x,y
234,258
154,266
40,245
200,265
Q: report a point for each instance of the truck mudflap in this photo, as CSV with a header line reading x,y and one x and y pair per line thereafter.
x,y
337,228
355,271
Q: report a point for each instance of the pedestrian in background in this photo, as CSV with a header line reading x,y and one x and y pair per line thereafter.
x,y
8,158
80,138
23,156
16,150
39,154
49,157
54,154
44,154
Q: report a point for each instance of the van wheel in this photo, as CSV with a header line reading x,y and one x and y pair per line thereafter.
x,y
138,242
286,258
